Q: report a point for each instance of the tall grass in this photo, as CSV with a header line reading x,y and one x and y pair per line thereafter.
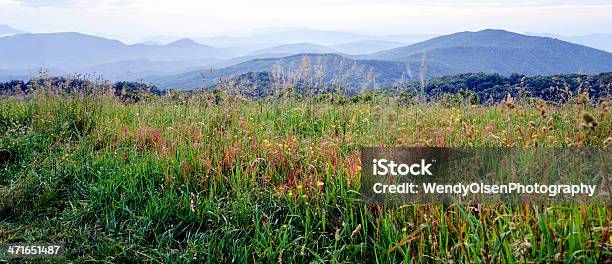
x,y
205,179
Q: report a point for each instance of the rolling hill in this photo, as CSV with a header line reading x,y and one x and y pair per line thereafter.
x,y
489,51
133,70
367,46
187,64
502,52
323,68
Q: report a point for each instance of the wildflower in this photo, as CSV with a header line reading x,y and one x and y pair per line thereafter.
x,y
358,168
319,183
304,196
299,187
192,203
285,226
290,194
404,229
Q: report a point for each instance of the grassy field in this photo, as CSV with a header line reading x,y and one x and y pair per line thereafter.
x,y
217,179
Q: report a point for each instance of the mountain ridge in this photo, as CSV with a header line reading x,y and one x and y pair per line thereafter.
x,y
330,68
72,51
505,52
6,30
182,61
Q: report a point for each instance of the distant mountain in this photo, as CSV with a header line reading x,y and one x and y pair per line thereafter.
x,y
150,43
501,52
9,75
187,64
406,38
182,49
133,70
324,68
489,51
161,39
241,59
26,74
71,51
6,30
598,41
56,50
367,46
295,48
320,37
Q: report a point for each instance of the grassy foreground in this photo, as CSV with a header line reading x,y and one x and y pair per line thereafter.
x,y
222,180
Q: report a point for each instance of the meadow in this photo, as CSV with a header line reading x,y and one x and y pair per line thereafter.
x,y
212,178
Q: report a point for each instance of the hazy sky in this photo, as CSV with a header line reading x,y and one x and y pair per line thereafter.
x,y
135,19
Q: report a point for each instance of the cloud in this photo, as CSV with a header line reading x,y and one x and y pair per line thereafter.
x,y
76,3
47,3
133,19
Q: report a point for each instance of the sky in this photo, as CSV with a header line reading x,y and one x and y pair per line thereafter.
x,y
137,19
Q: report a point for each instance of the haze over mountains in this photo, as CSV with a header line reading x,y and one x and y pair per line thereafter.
x,y
344,58
70,51
6,30
321,37
315,68
294,48
598,41
492,51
